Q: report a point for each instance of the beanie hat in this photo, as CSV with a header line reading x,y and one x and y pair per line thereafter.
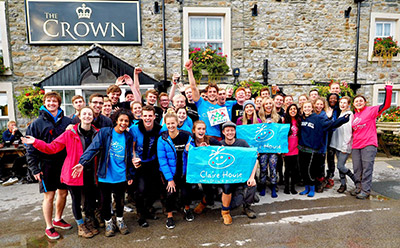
x,y
248,102
228,124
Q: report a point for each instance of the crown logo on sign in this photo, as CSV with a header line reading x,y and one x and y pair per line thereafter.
x,y
83,12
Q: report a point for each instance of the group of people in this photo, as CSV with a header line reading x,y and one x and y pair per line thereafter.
x,y
111,149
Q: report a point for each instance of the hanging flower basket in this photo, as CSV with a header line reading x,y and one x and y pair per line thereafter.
x,y
30,101
385,49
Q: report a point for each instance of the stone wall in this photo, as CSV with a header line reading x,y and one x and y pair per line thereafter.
x,y
303,40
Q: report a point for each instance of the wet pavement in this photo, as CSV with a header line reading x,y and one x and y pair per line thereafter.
x,y
329,219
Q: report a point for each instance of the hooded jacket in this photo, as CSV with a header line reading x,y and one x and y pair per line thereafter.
x,y
46,128
167,156
74,145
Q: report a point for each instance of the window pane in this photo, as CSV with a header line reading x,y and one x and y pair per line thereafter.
x,y
387,30
215,46
3,104
214,29
197,44
197,29
69,110
3,124
379,31
68,96
381,97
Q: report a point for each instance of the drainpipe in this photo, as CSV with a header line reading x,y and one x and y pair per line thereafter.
x,y
164,41
355,86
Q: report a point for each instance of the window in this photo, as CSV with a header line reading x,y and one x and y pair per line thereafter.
x,y
206,31
204,26
381,97
3,38
66,101
383,25
6,104
384,29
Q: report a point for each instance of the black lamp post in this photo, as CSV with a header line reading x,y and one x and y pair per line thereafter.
x,y
95,62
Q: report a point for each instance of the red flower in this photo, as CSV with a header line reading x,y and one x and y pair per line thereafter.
x,y
226,56
42,92
219,48
27,94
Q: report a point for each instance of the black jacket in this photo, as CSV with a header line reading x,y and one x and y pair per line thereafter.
x,y
46,129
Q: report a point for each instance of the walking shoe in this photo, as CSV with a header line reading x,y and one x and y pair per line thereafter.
x,y
226,215
84,232
99,220
10,181
249,212
200,208
110,228
62,224
342,188
355,192
330,183
170,223
188,215
128,209
293,190
91,226
123,229
143,223
52,233
286,190
362,196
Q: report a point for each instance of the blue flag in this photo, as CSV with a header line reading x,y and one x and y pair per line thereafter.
x,y
266,137
220,164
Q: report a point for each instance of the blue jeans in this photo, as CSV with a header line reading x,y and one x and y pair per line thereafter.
x,y
341,165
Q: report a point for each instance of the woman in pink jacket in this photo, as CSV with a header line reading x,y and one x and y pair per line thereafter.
x,y
365,141
75,141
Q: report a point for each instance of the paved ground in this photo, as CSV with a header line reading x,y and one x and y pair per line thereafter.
x,y
327,220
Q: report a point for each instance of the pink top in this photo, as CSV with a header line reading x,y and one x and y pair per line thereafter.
x,y
364,123
293,140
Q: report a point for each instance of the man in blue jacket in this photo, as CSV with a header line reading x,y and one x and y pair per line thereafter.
x,y
47,168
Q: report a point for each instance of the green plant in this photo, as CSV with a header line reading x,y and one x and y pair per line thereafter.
x,y
29,102
393,143
253,85
2,130
213,61
385,49
391,115
3,68
345,90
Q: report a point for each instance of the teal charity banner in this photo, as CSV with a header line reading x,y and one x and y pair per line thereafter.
x,y
220,164
266,137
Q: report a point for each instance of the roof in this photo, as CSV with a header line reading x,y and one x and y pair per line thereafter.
x,y
71,74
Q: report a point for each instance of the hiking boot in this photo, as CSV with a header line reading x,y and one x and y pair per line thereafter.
x,y
84,232
320,188
110,228
99,220
249,212
123,229
330,183
342,188
91,226
62,224
286,190
143,223
293,190
355,192
226,215
362,195
10,181
188,215
170,223
128,209
200,208
52,233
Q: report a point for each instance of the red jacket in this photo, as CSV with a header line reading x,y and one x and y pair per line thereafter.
x,y
72,142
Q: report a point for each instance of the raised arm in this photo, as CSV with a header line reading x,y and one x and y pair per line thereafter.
x,y
135,87
388,97
192,81
175,80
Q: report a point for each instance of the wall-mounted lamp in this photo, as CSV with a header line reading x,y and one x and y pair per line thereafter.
x,y
95,62
156,8
236,74
347,13
254,11
180,1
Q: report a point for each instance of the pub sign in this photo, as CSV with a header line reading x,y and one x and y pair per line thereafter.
x,y
83,22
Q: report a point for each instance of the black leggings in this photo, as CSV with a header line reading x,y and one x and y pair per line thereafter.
x,y
184,188
310,165
119,193
291,169
147,186
76,196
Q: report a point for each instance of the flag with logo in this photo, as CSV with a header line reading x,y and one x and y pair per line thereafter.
x,y
220,164
266,137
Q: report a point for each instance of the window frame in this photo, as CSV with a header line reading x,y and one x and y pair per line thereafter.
x,y
4,39
378,88
395,29
223,12
7,87
206,29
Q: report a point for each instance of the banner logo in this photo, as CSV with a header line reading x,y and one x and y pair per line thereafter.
x,y
220,160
